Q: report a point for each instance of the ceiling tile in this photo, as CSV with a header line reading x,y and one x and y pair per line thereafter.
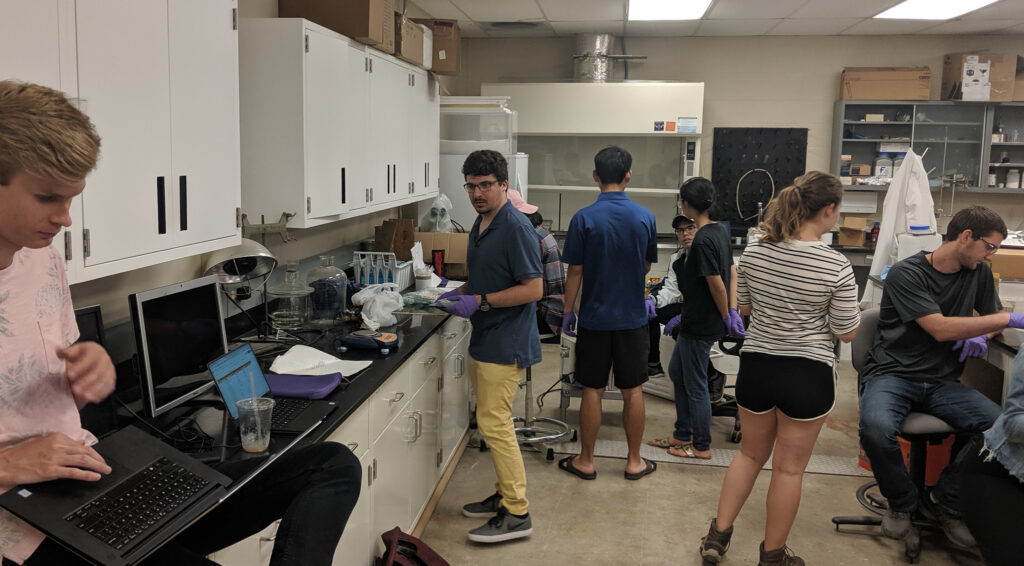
x,y
753,9
735,27
543,29
1015,30
440,9
975,26
583,10
814,26
500,10
843,8
1012,9
470,29
575,28
662,29
888,27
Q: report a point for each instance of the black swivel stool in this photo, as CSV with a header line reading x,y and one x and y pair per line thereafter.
x,y
920,429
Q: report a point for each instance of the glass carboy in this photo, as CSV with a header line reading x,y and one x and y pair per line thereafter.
x,y
329,284
288,302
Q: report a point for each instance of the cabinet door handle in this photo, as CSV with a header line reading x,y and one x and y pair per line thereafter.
x,y
161,207
343,185
395,398
353,446
394,179
183,202
460,366
450,336
419,423
388,189
411,435
429,361
426,173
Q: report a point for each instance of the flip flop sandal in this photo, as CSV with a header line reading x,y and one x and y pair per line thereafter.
x,y
649,468
687,452
666,443
567,465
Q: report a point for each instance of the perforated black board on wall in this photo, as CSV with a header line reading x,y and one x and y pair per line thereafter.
x,y
782,152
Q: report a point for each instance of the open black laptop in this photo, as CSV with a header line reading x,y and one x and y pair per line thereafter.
x,y
152,493
238,376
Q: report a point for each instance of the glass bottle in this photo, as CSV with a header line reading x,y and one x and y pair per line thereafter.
x,y
288,303
329,284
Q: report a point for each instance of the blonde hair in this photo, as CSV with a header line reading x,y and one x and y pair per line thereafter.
x,y
43,134
798,203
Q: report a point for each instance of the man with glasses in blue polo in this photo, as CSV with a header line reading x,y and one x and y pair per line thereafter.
x,y
499,298
926,330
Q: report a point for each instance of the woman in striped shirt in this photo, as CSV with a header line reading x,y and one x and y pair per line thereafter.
x,y
801,296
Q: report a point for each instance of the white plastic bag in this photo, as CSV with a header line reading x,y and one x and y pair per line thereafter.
x,y
378,302
438,219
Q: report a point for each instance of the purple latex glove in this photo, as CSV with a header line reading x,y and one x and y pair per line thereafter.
x,y
671,324
1016,320
569,323
734,325
461,305
450,295
975,347
651,306
444,282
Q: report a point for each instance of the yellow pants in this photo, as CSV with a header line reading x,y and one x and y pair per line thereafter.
x,y
495,386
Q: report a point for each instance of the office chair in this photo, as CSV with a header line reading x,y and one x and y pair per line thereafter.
x,y
920,429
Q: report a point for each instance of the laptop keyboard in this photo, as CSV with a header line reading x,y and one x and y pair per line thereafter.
x,y
286,409
129,509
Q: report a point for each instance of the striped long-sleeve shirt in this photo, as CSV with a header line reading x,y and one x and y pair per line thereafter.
x,y
551,304
801,294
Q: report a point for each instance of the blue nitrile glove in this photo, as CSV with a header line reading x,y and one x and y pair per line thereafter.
x,y
461,305
449,296
1016,320
734,325
652,308
671,324
569,323
975,347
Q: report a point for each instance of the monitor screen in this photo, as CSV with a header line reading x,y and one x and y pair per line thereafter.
x,y
179,329
90,325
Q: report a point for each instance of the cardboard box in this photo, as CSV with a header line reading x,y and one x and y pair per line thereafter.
x,y
395,235
852,233
428,47
978,76
874,117
447,45
860,170
1018,83
454,246
1008,263
408,40
885,83
366,21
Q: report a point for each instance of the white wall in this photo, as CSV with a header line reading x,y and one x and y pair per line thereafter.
x,y
749,81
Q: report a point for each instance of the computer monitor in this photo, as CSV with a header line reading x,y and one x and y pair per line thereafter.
x,y
90,325
179,329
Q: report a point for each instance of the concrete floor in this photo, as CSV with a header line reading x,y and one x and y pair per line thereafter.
x,y
660,519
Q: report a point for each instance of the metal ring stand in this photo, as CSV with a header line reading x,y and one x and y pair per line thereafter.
x,y
531,430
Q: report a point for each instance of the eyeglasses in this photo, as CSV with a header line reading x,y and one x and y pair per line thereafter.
x,y
484,186
989,246
686,229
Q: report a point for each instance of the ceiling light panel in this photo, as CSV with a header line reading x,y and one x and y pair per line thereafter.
x,y
658,10
932,9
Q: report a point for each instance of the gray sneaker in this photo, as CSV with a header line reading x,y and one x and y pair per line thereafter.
x,y
483,509
954,527
504,526
895,524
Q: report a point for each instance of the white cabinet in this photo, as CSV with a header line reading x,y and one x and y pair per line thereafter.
x,y
252,551
303,88
162,93
356,545
330,128
455,393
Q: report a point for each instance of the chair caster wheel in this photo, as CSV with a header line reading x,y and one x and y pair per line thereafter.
x,y
574,437
736,436
551,455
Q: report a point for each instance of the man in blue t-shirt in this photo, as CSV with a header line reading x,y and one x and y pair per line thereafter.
x,y
926,329
609,249
505,281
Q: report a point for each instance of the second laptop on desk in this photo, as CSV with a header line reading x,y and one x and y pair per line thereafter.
x,y
238,376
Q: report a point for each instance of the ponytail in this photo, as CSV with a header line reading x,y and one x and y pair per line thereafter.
x,y
799,203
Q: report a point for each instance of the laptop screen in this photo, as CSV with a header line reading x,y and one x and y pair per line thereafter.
x,y
238,376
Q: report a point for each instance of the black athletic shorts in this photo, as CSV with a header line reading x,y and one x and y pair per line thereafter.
x,y
600,351
801,388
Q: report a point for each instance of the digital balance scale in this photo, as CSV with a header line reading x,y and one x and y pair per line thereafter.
x,y
368,340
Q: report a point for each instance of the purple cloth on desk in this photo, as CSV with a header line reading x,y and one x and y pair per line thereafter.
x,y
303,386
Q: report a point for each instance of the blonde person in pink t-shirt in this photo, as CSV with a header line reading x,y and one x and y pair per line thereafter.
x,y
47,148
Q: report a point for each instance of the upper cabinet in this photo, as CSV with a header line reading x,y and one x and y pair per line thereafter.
x,y
163,94
331,129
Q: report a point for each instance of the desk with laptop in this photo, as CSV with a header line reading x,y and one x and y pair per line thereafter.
x,y
155,491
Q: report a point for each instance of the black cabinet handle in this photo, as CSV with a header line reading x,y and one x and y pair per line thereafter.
x,y
343,185
183,202
161,207
387,188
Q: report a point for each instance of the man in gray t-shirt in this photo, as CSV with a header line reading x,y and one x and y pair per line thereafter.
x,y
926,329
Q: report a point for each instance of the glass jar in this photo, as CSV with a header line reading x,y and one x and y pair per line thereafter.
x,y
288,303
329,284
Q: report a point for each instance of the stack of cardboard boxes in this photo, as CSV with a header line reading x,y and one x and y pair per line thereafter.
x,y
986,77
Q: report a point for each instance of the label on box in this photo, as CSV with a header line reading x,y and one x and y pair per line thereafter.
x,y
441,55
976,84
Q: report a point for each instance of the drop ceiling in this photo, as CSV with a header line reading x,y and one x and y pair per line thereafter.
x,y
561,18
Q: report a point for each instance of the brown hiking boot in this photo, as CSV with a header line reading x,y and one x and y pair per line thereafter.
x,y
715,543
779,557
